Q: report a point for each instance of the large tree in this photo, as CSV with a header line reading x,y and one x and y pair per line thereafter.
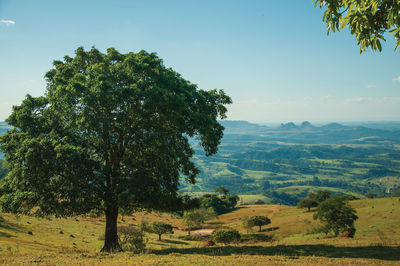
x,y
368,20
110,133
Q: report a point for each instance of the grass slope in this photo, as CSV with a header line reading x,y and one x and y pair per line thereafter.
x,y
376,242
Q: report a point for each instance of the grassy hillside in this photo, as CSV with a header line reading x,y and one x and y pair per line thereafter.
x,y
77,240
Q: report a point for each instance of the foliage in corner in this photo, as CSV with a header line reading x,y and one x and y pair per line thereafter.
x,y
368,20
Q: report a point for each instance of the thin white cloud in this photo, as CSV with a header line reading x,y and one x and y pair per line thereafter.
x,y
369,86
356,100
397,79
7,22
325,97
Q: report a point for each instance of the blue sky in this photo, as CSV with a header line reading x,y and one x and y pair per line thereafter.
x,y
273,58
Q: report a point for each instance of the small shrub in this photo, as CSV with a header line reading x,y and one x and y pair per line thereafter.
x,y
225,236
259,202
131,239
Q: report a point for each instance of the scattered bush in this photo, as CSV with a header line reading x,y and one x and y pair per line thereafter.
x,y
132,239
225,236
259,202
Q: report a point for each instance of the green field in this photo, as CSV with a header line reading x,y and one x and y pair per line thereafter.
x,y
66,241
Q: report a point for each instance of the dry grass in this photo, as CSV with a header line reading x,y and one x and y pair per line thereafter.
x,y
377,240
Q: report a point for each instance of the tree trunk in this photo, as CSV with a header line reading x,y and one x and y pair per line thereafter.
x,y
159,237
111,236
260,228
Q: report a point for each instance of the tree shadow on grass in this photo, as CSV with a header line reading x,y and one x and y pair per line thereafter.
x,y
4,234
175,242
369,252
5,225
271,229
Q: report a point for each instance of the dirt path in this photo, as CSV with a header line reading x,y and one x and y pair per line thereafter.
x,y
274,210
203,231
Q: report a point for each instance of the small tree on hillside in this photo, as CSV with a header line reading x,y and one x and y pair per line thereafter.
x,y
196,217
337,215
258,221
307,203
161,228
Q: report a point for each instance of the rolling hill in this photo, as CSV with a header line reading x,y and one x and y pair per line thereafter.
x,y
284,163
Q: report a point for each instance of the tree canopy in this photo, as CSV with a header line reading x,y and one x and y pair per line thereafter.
x,y
337,215
219,203
3,168
110,132
368,20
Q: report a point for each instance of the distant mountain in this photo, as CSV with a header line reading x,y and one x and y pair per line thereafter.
x,y
289,126
385,125
241,127
333,126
